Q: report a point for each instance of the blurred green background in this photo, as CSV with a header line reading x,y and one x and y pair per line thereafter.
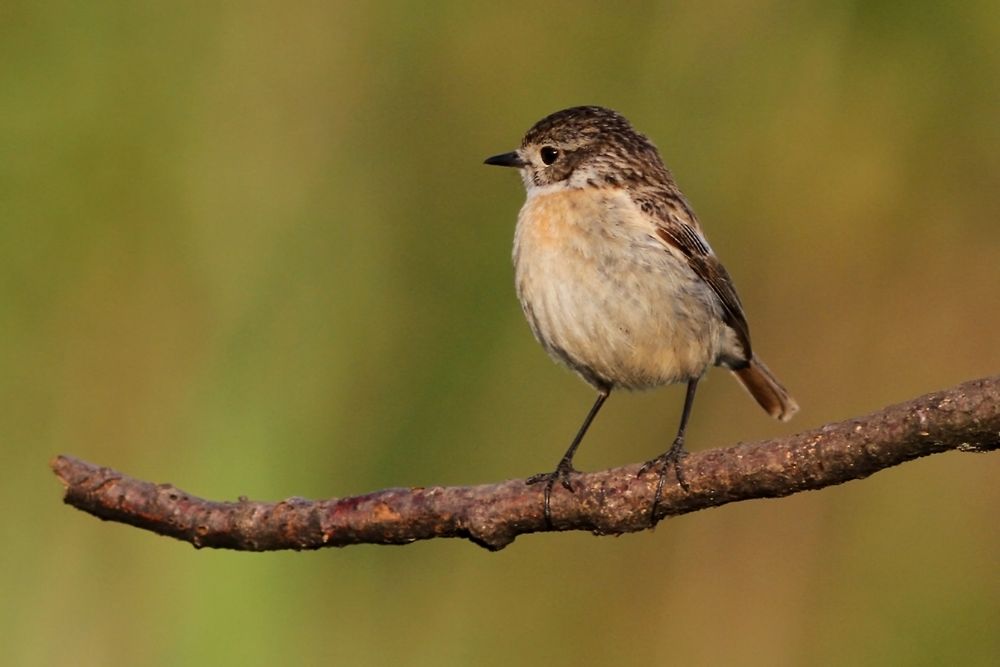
x,y
251,249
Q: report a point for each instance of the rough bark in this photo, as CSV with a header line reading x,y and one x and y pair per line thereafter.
x,y
610,502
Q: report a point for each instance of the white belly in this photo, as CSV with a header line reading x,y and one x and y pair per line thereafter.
x,y
606,297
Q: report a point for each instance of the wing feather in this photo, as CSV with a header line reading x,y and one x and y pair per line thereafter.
x,y
677,227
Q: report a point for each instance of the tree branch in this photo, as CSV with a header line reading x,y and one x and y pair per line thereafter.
x,y
610,502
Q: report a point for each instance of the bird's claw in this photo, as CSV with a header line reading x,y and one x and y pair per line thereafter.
x,y
560,474
670,458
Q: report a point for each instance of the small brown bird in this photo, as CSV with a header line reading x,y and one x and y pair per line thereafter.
x,y
616,278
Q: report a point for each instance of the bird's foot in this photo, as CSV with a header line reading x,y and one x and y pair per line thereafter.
x,y
671,458
560,474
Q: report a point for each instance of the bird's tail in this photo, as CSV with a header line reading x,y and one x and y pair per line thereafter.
x,y
766,390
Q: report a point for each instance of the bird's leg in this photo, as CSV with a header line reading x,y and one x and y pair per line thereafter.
x,y
565,467
674,455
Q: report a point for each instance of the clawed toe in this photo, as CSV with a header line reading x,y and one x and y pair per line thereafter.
x,y
550,478
560,474
665,461
670,458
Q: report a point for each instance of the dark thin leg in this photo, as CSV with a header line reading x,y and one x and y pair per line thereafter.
x,y
565,466
673,456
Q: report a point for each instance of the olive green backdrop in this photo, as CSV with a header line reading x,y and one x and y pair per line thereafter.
x,y
251,249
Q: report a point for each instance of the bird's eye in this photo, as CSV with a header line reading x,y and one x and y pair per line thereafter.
x,y
549,154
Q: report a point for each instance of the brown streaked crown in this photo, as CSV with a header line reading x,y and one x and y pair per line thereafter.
x,y
575,122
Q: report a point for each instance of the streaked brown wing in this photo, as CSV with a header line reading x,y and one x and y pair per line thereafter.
x,y
688,242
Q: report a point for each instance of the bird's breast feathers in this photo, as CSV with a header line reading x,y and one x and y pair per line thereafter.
x,y
600,286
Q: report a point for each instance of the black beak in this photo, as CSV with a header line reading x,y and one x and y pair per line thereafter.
x,y
511,159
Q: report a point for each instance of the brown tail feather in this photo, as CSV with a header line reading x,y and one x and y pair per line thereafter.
x,y
766,390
